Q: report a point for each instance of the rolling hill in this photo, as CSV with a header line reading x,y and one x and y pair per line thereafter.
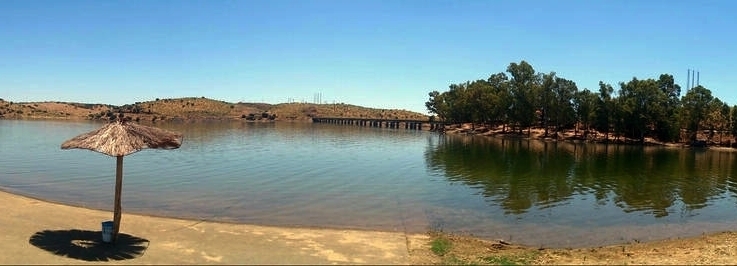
x,y
192,109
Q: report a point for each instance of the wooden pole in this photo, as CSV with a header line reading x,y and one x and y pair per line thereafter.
x,y
118,188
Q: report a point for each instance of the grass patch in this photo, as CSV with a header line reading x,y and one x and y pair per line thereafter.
x,y
440,245
500,260
453,260
517,259
451,249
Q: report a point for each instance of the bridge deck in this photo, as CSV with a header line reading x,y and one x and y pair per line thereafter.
x,y
380,122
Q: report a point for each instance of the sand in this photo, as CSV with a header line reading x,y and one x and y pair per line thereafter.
x,y
40,232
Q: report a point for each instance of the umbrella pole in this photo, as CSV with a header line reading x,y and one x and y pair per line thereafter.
x,y
118,188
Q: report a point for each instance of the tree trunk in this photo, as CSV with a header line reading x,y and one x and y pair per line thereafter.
x,y
118,188
545,124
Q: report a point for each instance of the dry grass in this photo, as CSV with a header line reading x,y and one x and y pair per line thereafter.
x,y
49,110
194,109
713,249
451,249
301,110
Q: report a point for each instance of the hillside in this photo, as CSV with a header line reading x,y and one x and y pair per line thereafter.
x,y
49,110
196,109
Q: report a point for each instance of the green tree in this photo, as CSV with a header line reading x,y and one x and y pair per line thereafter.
x,y
585,104
667,127
545,99
456,105
437,105
479,102
450,106
733,119
716,118
500,99
523,85
639,109
562,108
604,109
695,109
642,105
726,124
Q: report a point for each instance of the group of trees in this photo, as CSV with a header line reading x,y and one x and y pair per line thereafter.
x,y
640,108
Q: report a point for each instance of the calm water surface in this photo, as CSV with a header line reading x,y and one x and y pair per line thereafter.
x,y
317,175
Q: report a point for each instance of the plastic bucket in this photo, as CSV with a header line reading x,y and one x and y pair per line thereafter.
x,y
107,231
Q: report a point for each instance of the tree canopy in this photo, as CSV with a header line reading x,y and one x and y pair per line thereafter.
x,y
521,98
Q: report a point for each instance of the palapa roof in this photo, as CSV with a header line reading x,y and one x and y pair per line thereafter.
x,y
121,138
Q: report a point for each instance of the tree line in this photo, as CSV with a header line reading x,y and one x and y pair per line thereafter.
x,y
522,98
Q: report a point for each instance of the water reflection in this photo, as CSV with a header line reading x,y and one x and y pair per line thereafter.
x,y
521,175
322,175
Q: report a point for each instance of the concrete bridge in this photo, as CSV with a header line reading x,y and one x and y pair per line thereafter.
x,y
385,123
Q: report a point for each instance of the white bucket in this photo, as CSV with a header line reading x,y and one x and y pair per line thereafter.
x,y
107,231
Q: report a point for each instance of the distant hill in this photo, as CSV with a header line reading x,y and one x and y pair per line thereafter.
x,y
196,109
49,110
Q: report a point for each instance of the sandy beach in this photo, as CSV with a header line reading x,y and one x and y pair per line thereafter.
x,y
40,232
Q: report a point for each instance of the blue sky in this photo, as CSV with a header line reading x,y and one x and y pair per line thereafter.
x,y
383,54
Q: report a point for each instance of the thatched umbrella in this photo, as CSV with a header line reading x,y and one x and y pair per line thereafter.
x,y
120,138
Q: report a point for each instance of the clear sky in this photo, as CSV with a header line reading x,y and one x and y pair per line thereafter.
x,y
383,54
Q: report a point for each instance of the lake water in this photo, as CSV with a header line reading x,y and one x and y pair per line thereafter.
x,y
332,176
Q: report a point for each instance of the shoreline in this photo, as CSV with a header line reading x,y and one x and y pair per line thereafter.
x,y
181,241
53,214
453,129
568,136
5,190
607,236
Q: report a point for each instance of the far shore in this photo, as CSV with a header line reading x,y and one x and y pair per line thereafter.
x,y
572,136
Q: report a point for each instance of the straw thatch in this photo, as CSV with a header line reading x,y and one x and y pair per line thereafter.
x,y
118,139
121,138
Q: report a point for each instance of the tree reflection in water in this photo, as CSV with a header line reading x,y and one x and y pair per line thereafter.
x,y
518,174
